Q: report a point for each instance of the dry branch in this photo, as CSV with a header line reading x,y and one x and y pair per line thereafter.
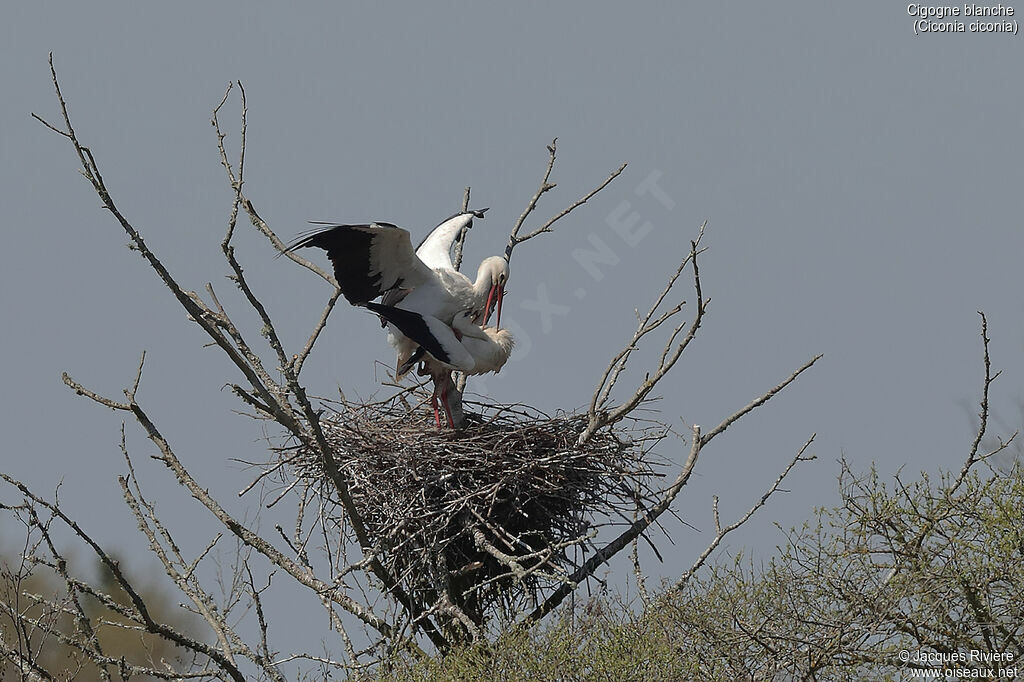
x,y
499,505
598,415
721,532
269,396
139,608
500,521
545,186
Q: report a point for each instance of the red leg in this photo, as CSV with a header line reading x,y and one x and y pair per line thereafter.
x,y
437,416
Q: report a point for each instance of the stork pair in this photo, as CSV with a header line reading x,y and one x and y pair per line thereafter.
x,y
434,313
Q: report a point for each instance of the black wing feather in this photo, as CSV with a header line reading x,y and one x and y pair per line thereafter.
x,y
348,247
414,326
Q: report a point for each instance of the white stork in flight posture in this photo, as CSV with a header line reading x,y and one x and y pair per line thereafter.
x,y
431,306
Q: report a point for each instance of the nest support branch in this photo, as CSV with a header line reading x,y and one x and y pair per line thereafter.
x,y
481,523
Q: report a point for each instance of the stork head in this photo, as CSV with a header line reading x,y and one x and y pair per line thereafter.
x,y
493,270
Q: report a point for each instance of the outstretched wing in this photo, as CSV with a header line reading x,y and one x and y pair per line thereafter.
x,y
436,249
369,260
433,335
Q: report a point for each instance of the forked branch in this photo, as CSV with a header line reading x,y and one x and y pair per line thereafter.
x,y
271,385
647,517
546,186
598,415
138,607
273,398
722,531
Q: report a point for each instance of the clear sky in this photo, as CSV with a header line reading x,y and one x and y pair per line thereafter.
x,y
861,186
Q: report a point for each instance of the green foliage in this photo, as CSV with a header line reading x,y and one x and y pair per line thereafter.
x,y
604,641
922,567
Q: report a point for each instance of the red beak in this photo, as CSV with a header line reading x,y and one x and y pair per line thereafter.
x,y
495,296
501,298
487,306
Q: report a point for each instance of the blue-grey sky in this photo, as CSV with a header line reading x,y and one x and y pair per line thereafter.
x,y
861,186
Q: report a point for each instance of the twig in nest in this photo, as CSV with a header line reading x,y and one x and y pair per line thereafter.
x,y
493,511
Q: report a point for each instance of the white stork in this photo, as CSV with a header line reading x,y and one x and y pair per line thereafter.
x,y
378,260
464,345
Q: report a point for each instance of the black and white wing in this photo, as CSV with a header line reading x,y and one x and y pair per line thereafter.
x,y
433,335
369,260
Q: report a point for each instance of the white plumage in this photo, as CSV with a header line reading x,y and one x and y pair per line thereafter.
x,y
430,307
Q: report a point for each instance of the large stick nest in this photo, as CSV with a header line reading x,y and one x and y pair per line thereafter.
x,y
484,517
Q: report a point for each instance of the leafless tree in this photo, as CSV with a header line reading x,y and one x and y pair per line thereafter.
x,y
375,537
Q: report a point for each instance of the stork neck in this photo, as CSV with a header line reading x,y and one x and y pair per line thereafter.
x,y
447,232
482,285
437,247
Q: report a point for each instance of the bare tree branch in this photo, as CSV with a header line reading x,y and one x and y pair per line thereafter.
x,y
266,394
545,186
972,456
460,240
721,532
441,592
598,416
603,555
651,515
736,416
240,199
26,666
139,606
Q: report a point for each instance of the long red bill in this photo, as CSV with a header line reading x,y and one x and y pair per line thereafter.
x,y
501,298
487,306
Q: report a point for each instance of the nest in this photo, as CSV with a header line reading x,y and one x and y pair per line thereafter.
x,y
485,518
